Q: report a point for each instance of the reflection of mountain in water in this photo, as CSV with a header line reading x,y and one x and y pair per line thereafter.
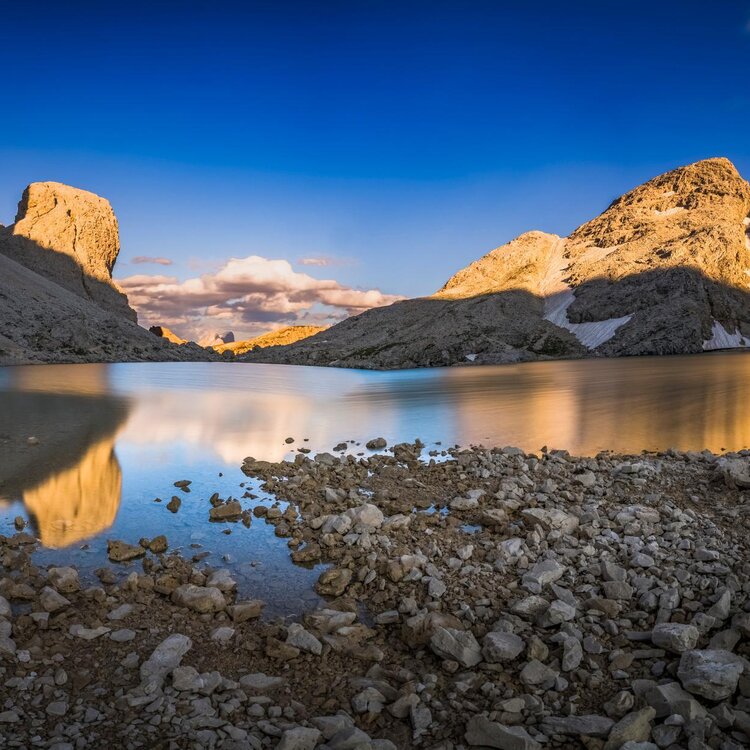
x,y
629,405
70,481
78,502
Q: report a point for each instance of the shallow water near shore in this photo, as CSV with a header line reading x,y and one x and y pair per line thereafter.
x,y
109,439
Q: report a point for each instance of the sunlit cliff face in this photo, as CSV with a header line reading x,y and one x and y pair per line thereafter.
x,y
80,501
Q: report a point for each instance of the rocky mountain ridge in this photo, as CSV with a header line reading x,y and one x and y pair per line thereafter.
x,y
279,337
58,302
664,270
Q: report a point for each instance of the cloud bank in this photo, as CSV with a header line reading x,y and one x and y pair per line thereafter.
x,y
248,295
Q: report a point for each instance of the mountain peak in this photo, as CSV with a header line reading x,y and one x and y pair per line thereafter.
x,y
71,237
663,270
519,264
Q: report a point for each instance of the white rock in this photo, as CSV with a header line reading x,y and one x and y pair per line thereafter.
x,y
65,580
675,637
165,657
712,673
302,639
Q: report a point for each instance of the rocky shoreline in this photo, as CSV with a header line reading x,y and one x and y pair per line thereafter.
x,y
477,599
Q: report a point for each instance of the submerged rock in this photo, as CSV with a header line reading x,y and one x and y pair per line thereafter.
x,y
118,551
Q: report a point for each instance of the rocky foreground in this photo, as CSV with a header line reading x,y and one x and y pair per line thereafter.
x,y
480,599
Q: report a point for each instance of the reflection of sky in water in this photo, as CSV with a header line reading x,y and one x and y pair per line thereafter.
x,y
143,426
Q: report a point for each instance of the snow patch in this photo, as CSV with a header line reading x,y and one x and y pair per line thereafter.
x,y
722,339
558,297
590,335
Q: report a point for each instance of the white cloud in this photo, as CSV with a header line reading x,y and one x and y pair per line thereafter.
x,y
245,294
148,259
323,261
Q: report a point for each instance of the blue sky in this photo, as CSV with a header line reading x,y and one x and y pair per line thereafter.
x,y
399,141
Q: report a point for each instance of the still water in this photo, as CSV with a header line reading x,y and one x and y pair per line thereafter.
x,y
112,438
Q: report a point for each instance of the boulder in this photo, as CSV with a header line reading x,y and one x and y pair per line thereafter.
x,y
333,582
675,637
165,657
51,600
199,598
500,647
118,551
711,673
65,580
459,645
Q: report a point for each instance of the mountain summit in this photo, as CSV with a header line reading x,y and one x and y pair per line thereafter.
x,y
58,302
664,270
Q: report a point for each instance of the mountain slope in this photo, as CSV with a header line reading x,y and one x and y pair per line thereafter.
x,y
663,270
279,337
57,299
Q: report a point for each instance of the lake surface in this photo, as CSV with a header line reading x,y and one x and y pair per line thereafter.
x,y
112,438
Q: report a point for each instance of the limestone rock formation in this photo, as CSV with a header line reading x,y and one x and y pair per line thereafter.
x,y
279,337
69,236
58,302
664,270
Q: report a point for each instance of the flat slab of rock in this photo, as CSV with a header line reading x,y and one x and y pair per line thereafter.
x,y
88,634
247,610
551,519
165,657
226,512
481,732
302,639
299,738
118,551
635,727
333,582
499,647
590,725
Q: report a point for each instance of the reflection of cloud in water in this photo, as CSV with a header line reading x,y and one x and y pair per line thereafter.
x,y
236,424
